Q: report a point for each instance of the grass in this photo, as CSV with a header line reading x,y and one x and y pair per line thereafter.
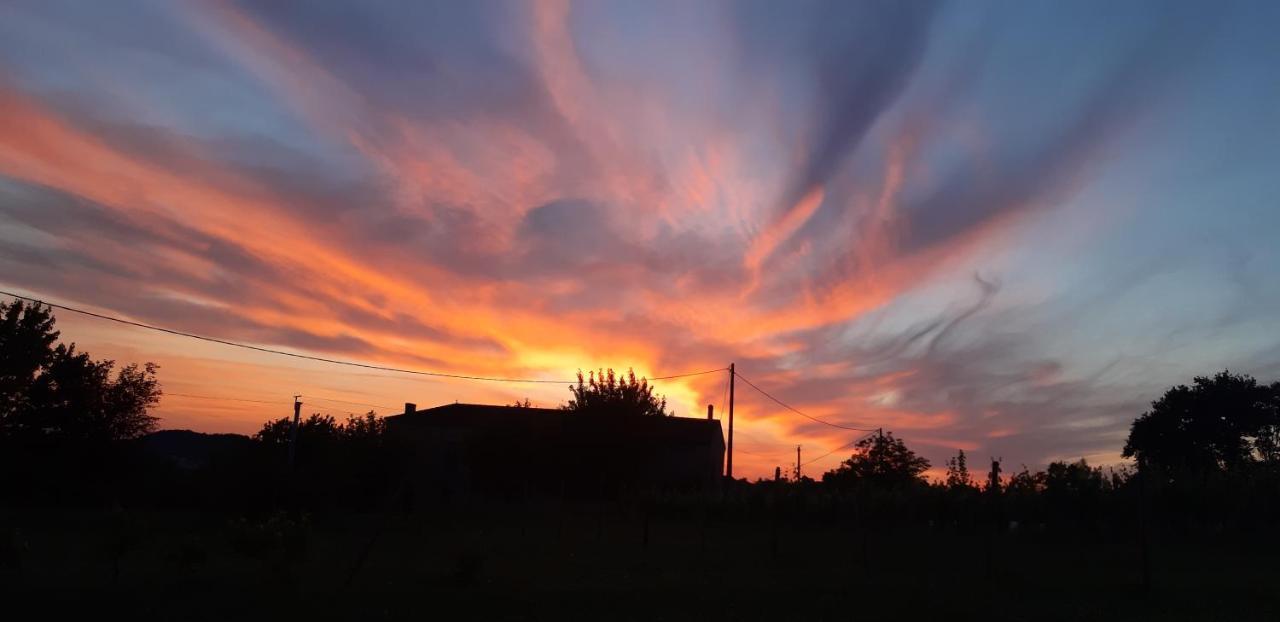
x,y
599,565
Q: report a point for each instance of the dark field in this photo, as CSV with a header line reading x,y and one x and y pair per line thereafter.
x,y
604,564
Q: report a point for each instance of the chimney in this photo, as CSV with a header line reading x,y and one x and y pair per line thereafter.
x,y
410,408
710,411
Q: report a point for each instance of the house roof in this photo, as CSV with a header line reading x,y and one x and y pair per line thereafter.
x,y
492,419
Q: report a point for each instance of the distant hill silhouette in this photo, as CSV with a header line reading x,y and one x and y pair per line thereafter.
x,y
191,450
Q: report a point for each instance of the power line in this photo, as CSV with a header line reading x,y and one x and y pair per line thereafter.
x,y
215,397
845,446
752,440
724,396
799,412
309,397
239,399
331,413
329,399
317,358
696,373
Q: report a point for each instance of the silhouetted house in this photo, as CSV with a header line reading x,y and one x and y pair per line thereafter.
x,y
508,450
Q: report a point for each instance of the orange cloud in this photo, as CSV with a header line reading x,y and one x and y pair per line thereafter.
x,y
675,263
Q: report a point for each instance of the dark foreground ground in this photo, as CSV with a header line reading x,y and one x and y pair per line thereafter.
x,y
608,566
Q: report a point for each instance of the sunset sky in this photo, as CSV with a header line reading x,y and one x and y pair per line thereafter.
x,y
1004,227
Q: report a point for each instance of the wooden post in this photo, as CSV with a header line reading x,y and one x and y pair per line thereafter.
x,y
728,468
997,526
293,431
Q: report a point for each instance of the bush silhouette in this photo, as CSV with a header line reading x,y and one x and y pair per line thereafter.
x,y
607,393
880,461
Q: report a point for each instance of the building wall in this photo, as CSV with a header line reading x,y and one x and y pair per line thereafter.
x,y
556,455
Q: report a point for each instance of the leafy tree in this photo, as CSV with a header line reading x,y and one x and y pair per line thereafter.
x,y
880,460
349,463
958,472
1026,483
1266,441
1073,479
526,403
26,347
1118,477
368,428
1218,424
606,393
55,391
316,428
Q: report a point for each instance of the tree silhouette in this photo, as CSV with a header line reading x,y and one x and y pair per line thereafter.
x,y
958,472
604,393
364,433
316,428
26,347
365,428
1025,483
880,460
1266,441
55,391
1218,424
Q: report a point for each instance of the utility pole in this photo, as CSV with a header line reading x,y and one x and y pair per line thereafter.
x,y
293,431
728,468
797,463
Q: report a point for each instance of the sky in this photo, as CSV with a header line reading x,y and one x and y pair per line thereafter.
x,y
1002,227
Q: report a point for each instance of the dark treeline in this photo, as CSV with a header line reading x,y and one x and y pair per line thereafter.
x,y
1206,460
76,432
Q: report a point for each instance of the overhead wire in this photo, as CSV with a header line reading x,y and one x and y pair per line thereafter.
x,y
754,453
800,412
724,397
216,397
274,402
320,359
695,373
842,447
330,399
